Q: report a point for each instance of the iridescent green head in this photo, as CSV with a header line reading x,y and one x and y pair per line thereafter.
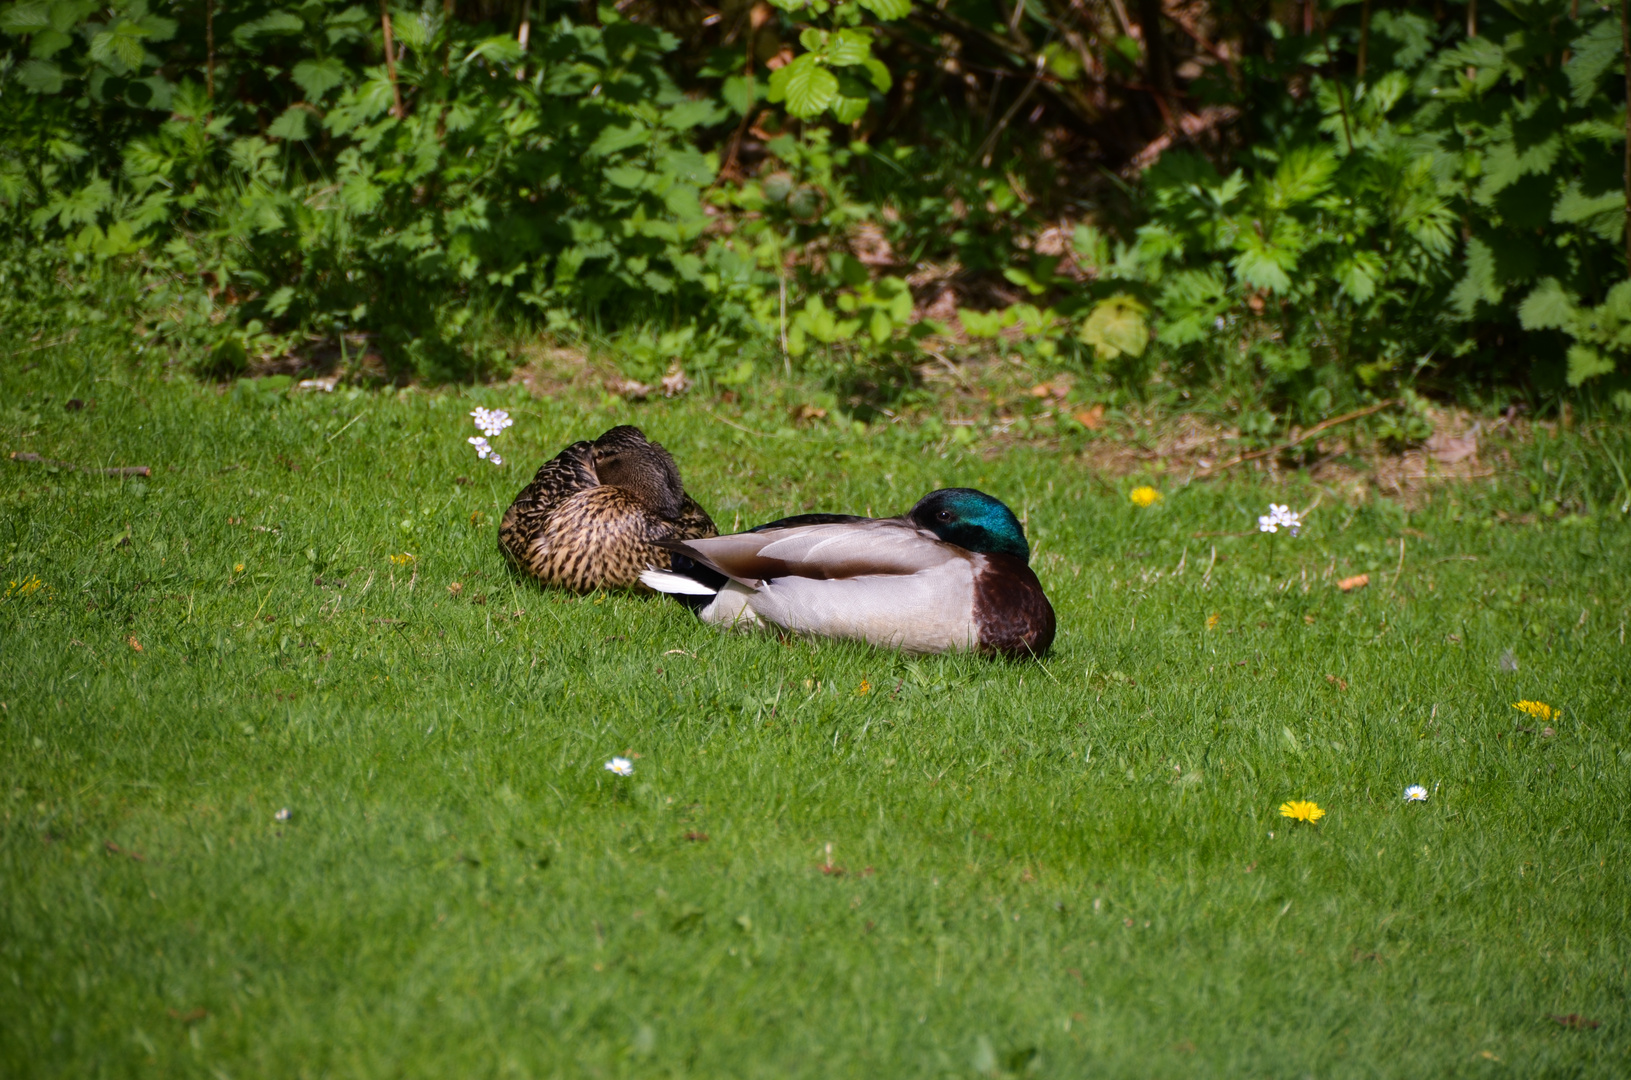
x,y
972,520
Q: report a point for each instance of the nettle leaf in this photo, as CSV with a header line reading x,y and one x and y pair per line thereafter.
x,y
1358,275
360,194
82,207
694,113
1592,54
1263,265
40,76
1116,326
888,10
1602,214
291,125
25,18
1479,282
1586,363
1303,174
119,46
276,22
1547,307
317,77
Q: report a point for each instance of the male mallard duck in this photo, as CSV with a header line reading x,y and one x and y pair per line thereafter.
x,y
596,514
951,574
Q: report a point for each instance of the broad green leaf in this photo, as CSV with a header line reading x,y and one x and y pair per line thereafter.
x,y
809,87
1116,326
501,49
47,43
291,125
317,77
848,47
1587,363
847,110
613,139
879,74
157,28
739,93
888,10
1547,307
1061,60
980,324
626,176
880,327
40,76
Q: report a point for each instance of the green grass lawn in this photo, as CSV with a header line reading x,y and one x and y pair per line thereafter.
x,y
830,860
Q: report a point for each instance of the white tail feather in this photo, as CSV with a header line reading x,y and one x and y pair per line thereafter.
x,y
666,581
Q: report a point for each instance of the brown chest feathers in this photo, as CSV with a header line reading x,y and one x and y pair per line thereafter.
x,y
593,515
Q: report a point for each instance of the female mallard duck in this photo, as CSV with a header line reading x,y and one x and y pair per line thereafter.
x,y
597,514
951,574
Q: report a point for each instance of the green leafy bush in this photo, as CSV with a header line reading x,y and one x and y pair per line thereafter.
x,y
331,192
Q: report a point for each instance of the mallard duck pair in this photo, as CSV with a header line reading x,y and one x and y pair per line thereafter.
x,y
951,574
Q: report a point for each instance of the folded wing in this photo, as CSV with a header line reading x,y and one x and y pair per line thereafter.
x,y
836,550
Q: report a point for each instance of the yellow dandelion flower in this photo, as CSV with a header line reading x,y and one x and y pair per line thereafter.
x,y
1301,810
1145,496
30,584
401,560
864,689
1212,621
1538,709
237,568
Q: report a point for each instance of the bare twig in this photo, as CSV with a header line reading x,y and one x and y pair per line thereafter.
x,y
127,470
1315,430
390,60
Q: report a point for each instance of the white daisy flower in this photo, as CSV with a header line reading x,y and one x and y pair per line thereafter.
x,y
622,766
491,422
1280,517
1415,793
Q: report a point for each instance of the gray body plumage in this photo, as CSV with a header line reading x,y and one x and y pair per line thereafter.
x,y
884,581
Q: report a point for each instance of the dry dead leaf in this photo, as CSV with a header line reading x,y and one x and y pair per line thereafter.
x,y
1358,581
1092,419
1448,449
134,644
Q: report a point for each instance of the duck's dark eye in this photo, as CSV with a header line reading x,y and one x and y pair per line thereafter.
x,y
944,515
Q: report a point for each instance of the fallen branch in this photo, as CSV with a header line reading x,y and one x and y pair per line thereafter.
x,y
1315,430
126,470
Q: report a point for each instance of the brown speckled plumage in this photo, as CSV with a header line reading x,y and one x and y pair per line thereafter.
x,y
593,515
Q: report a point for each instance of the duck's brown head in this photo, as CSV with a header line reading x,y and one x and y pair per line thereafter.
x,y
625,458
